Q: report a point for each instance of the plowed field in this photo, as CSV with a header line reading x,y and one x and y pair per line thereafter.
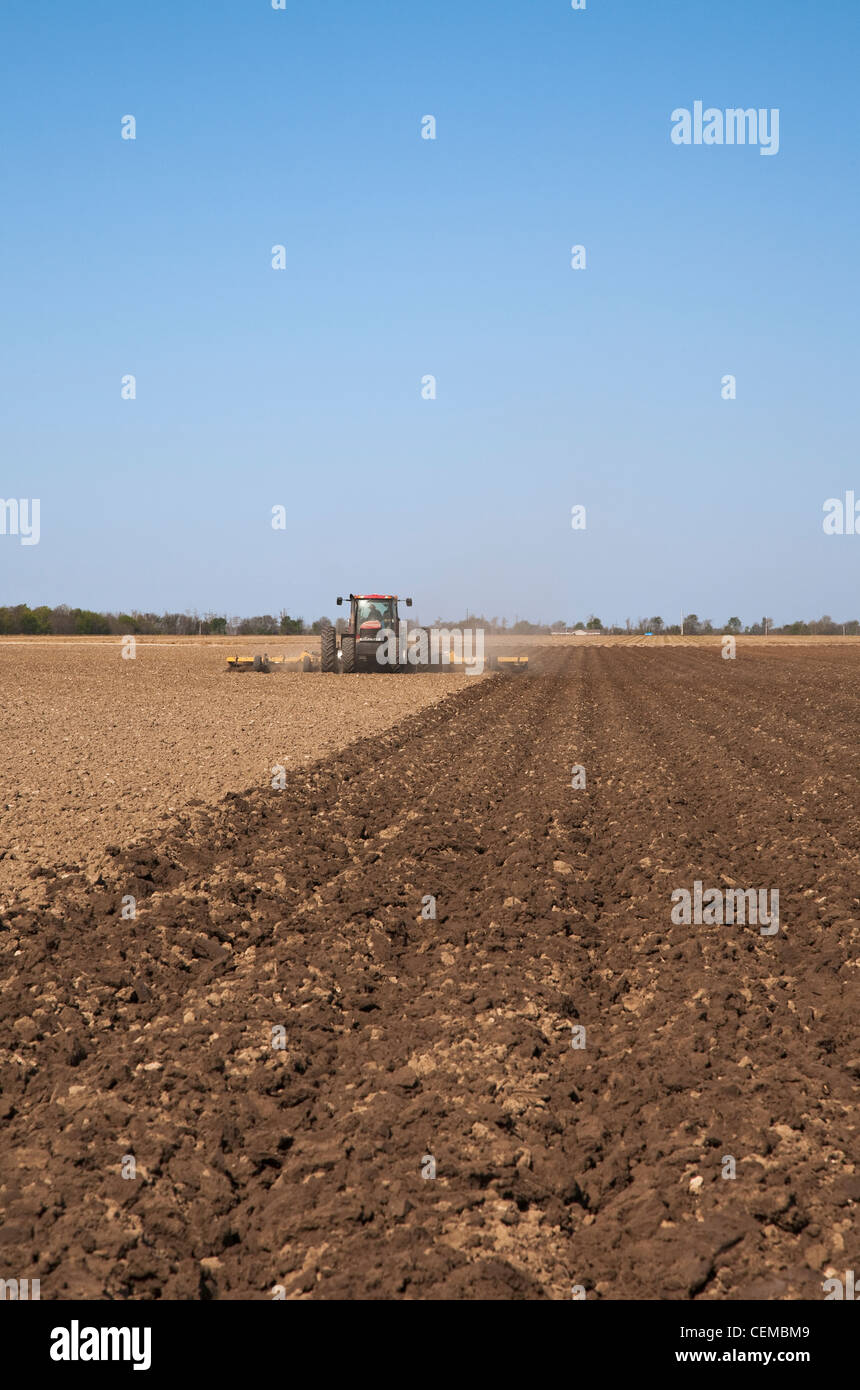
x,y
289,1045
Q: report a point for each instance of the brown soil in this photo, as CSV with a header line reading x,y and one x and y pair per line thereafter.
x,y
409,1038
98,750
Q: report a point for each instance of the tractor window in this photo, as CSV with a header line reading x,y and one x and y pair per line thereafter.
x,y
376,610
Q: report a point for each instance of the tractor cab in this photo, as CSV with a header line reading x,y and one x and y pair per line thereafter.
x,y
374,612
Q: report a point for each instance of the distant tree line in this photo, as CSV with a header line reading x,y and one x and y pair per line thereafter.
x,y
520,627
20,620
694,626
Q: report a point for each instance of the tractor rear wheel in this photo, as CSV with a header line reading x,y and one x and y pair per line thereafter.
x,y
347,651
328,648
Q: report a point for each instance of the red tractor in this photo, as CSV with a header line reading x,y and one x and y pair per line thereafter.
x,y
366,644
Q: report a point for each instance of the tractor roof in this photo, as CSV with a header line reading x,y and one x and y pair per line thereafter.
x,y
374,596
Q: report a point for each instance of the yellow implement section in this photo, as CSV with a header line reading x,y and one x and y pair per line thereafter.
x,y
272,665
494,663
509,663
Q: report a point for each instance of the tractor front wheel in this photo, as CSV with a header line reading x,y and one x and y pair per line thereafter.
x,y
347,651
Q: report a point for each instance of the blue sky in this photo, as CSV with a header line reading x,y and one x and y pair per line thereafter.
x,y
408,257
